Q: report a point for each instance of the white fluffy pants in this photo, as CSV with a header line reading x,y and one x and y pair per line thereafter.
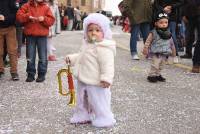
x,y
93,104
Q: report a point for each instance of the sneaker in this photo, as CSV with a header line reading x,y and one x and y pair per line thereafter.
x,y
135,57
175,60
160,78
196,69
15,76
30,78
51,58
152,79
40,78
1,75
186,56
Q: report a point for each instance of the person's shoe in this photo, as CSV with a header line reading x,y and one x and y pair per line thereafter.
x,y
152,79
135,57
196,69
186,56
175,60
1,75
30,78
40,78
160,78
15,76
51,58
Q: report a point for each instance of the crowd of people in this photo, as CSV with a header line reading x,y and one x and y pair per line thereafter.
x,y
21,20
138,18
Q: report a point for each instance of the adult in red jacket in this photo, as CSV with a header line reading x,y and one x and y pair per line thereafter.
x,y
36,17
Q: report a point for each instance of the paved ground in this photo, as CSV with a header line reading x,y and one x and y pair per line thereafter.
x,y
140,107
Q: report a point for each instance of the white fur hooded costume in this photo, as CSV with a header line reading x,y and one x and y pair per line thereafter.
x,y
94,63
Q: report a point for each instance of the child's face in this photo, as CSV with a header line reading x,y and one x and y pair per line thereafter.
x,y
94,33
162,23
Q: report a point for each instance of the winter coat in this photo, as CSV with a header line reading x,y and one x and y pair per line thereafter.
x,y
159,5
35,28
8,9
139,11
95,62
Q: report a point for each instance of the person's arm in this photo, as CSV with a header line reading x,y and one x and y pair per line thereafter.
x,y
48,19
23,14
147,44
106,63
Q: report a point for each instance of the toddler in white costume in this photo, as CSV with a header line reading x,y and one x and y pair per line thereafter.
x,y
94,70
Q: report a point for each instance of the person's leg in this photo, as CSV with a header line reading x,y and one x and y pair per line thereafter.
x,y
155,68
196,57
190,37
19,32
172,27
81,111
50,49
145,29
42,54
31,55
133,39
5,53
1,50
11,43
100,100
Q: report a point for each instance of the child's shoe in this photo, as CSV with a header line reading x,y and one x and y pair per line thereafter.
x,y
51,58
104,123
80,119
30,78
40,78
160,78
196,69
152,79
15,76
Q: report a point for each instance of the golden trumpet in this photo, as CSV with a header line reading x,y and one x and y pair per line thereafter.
x,y
72,101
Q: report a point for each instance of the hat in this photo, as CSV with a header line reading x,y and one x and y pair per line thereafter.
x,y
100,20
161,15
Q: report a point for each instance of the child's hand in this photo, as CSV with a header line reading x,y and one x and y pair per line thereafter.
x,y
67,60
34,19
41,18
145,51
2,17
104,84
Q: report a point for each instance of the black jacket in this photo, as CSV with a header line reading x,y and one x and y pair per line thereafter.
x,y
159,5
191,9
8,9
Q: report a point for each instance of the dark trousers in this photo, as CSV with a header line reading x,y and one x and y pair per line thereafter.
x,y
196,56
38,43
190,35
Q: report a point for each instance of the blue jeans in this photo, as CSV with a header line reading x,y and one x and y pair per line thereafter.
x,y
172,27
39,42
144,28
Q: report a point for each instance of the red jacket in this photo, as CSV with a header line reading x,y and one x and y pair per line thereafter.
x,y
35,28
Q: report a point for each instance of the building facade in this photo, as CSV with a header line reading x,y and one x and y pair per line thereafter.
x,y
88,6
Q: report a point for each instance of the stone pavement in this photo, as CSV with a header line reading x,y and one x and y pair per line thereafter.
x,y
140,107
